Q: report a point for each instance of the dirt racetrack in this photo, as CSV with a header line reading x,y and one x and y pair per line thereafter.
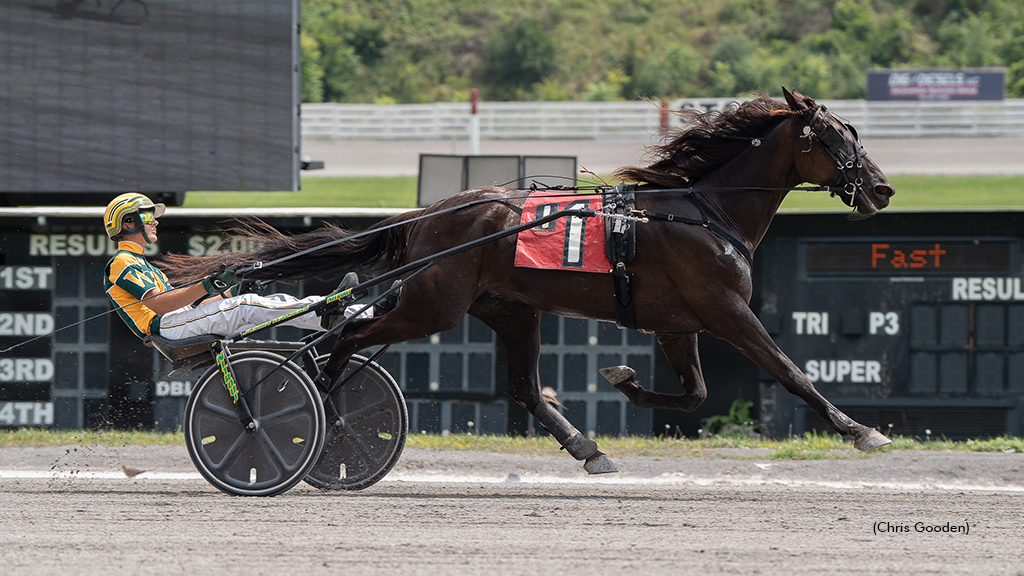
x,y
72,510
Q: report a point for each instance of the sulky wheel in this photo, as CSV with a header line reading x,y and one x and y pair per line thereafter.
x,y
289,430
363,444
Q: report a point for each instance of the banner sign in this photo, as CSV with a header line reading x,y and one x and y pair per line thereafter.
x,y
937,84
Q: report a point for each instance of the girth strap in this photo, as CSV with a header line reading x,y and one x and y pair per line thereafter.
x,y
705,222
620,246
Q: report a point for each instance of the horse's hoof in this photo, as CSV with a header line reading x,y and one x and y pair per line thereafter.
x,y
618,374
599,464
580,447
871,440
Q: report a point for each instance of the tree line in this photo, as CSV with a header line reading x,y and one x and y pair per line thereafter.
x,y
418,51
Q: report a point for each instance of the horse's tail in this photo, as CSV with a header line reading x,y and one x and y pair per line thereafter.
x,y
375,252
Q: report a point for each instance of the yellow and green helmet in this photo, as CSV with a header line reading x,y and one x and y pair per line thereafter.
x,y
127,208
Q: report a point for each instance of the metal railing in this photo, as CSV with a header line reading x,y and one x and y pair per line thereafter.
x,y
635,120
498,120
934,119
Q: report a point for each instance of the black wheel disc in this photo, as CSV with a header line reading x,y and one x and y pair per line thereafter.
x,y
365,442
288,437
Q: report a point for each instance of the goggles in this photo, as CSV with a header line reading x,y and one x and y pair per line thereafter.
x,y
147,217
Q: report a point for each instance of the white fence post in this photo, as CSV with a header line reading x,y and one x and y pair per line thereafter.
x,y
474,123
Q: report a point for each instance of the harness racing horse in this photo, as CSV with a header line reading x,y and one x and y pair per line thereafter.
x,y
731,169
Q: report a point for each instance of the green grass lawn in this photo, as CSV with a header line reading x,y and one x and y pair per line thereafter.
x,y
912,192
394,192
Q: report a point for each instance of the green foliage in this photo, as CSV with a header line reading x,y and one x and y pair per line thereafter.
x,y
674,73
737,423
608,89
312,70
513,62
436,50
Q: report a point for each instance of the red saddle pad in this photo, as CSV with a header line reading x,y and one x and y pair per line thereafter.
x,y
568,243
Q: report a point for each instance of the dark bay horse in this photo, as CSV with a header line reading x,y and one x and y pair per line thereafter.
x,y
738,164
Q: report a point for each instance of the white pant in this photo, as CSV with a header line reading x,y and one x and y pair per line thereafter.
x,y
230,315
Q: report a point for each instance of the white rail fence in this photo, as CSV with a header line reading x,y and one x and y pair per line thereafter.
x,y
636,120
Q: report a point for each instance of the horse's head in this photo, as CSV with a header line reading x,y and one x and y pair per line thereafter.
x,y
836,158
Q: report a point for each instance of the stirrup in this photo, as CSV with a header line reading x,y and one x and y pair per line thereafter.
x,y
335,312
350,280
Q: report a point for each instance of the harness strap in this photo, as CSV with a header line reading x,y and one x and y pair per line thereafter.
x,y
620,242
832,145
705,222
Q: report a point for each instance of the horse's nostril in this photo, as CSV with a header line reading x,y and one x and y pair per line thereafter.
x,y
885,190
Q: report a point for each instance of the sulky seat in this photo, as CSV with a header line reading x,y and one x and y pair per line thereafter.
x,y
188,354
175,350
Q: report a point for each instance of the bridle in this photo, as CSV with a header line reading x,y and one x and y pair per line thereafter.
x,y
832,141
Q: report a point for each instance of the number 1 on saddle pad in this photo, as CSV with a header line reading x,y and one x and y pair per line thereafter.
x,y
570,243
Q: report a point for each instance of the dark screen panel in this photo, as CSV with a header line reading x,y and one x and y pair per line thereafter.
x,y
901,257
150,95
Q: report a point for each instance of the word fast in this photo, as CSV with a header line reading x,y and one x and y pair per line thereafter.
x,y
901,259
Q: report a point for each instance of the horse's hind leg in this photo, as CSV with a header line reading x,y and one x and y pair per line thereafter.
x,y
742,330
518,326
681,351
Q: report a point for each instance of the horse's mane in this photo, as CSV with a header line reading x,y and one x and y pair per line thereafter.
x,y
707,141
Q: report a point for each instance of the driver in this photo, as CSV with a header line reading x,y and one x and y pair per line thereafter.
x,y
131,221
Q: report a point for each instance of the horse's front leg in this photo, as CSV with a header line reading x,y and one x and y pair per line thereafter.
x,y
737,325
682,354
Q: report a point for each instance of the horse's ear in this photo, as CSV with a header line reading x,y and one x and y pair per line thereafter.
x,y
807,101
794,105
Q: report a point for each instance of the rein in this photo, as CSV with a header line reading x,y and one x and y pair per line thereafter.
x,y
257,265
569,192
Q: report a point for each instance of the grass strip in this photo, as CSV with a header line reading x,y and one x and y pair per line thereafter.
x,y
808,446
915,192
29,437
912,192
392,192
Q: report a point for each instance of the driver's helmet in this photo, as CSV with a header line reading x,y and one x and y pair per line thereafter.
x,y
128,208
